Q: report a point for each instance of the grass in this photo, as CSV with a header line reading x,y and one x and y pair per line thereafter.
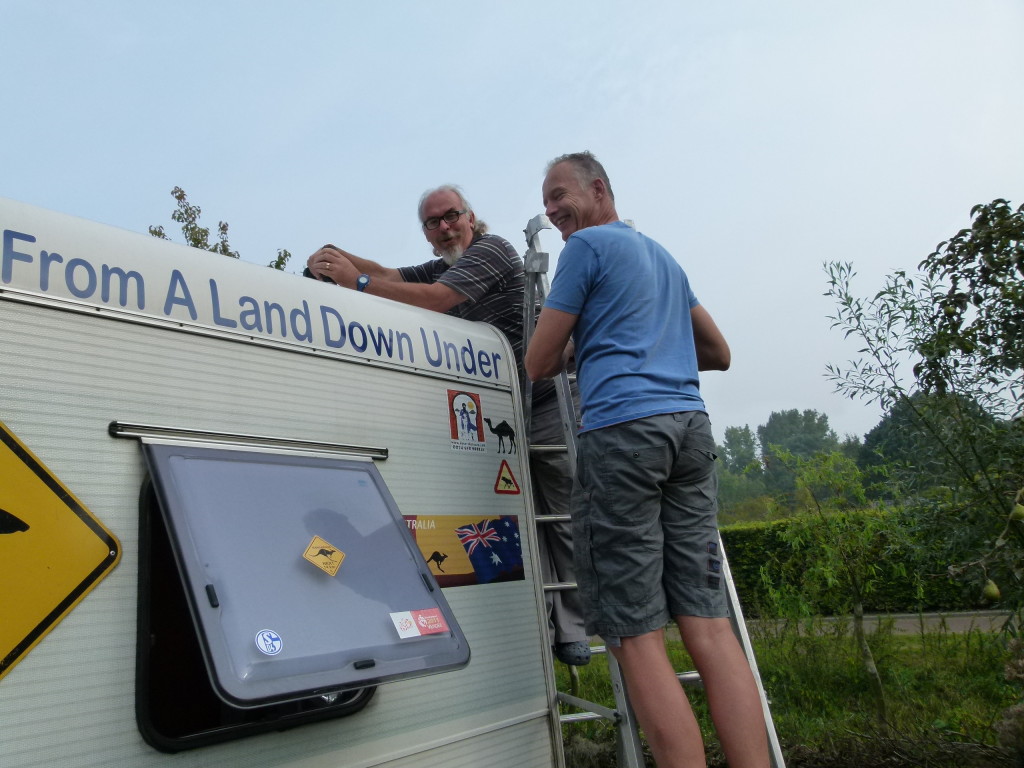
x,y
946,695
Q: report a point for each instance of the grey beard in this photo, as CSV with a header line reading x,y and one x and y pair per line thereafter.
x,y
451,255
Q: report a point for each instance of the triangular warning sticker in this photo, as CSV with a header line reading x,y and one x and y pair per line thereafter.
x,y
506,482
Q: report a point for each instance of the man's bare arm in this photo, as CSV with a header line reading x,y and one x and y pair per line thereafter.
x,y
327,255
713,353
549,347
345,268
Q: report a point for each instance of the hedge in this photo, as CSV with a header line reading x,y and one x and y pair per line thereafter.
x,y
752,545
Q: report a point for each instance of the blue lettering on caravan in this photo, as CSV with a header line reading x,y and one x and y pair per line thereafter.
x,y
90,278
337,339
468,362
11,255
358,346
80,276
434,361
109,273
385,344
485,365
448,354
272,309
382,343
405,340
45,260
184,299
219,319
306,333
251,319
451,352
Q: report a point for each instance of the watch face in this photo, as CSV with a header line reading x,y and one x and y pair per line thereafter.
x,y
362,282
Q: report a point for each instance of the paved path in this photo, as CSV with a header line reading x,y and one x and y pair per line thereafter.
x,y
905,623
909,623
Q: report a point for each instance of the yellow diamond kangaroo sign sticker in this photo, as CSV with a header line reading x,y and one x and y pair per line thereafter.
x,y
324,556
52,550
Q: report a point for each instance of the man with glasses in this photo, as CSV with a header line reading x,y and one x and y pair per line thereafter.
x,y
479,276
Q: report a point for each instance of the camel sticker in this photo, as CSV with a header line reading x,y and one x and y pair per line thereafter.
x,y
464,421
506,482
506,436
324,556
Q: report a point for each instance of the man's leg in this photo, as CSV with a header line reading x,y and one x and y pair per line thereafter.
x,y
661,707
731,690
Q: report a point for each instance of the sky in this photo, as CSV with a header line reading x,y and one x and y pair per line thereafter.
x,y
755,140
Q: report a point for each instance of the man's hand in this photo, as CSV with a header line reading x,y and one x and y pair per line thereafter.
x,y
331,262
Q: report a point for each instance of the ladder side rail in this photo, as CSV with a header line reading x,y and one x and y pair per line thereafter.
x,y
534,260
628,749
739,627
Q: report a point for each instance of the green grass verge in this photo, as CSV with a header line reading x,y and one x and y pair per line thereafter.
x,y
945,693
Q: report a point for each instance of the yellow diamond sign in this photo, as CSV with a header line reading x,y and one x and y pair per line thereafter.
x,y
324,555
52,550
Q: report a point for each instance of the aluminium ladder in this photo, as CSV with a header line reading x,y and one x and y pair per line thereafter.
x,y
628,747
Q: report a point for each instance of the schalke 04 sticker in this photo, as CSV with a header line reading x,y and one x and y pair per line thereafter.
x,y
269,642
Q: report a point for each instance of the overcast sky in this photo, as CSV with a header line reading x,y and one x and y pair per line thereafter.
x,y
755,140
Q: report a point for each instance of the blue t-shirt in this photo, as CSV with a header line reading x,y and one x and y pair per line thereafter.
x,y
635,355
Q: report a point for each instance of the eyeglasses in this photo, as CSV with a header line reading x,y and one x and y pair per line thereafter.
x,y
449,218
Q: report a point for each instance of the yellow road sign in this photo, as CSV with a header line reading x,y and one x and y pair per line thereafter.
x,y
52,550
324,555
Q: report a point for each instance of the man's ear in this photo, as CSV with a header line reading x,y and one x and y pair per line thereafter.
x,y
600,191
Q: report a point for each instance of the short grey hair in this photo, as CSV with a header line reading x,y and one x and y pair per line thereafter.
x,y
586,167
480,228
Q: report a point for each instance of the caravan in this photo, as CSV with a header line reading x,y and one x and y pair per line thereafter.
x,y
253,520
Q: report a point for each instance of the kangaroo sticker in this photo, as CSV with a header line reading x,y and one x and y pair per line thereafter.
x,y
506,482
324,556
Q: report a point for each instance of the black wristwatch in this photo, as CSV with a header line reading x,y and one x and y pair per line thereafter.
x,y
362,282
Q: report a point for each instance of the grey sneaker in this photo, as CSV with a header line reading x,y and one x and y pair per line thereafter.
x,y
575,654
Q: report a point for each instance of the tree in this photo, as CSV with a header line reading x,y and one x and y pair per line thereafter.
x,y
959,327
926,455
740,450
839,551
799,433
197,236
978,320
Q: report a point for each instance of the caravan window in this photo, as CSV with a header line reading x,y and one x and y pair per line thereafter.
x,y
300,578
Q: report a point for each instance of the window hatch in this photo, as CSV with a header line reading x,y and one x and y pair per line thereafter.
x,y
299,572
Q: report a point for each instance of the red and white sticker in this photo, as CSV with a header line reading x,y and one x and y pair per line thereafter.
x,y
506,481
417,623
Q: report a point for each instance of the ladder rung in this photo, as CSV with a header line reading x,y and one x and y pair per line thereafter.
x,y
579,717
589,707
560,586
552,519
690,678
548,449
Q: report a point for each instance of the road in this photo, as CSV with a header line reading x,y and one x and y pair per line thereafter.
x,y
909,623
